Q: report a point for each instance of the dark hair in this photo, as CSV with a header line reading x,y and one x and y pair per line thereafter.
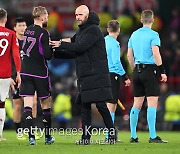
x,y
19,20
113,25
3,13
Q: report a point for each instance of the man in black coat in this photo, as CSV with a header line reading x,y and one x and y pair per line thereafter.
x,y
88,48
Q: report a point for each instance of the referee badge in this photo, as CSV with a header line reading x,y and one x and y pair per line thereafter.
x,y
155,72
116,77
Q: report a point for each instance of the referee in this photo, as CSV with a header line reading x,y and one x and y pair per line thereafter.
x,y
114,64
145,60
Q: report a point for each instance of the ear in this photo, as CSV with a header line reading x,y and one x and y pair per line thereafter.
x,y
41,18
152,20
15,28
119,30
141,21
5,19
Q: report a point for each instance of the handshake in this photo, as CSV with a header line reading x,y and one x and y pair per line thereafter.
x,y
56,44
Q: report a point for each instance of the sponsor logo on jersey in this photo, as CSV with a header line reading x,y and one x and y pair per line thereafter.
x,y
4,33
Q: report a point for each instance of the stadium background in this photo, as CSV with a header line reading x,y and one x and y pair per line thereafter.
x,y
127,12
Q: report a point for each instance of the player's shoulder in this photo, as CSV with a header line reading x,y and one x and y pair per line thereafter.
x,y
8,30
42,30
36,30
94,29
137,31
134,33
107,38
154,32
111,40
45,31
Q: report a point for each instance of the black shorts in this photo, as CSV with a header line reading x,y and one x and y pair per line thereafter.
x,y
145,81
115,82
31,84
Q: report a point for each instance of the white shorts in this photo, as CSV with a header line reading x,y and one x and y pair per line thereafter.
x,y
4,88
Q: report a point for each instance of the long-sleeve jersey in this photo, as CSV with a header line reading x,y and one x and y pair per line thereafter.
x,y
21,56
36,52
9,48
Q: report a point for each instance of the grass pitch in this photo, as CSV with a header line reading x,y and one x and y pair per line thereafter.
x,y
66,145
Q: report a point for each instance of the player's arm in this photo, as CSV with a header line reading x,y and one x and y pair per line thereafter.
x,y
63,54
118,65
46,47
130,57
116,60
55,44
66,39
130,54
72,39
16,57
158,61
86,42
155,43
157,56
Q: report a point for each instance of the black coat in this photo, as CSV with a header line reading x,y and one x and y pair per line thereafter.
x,y
88,46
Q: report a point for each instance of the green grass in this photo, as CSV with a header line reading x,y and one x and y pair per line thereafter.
x,y
66,145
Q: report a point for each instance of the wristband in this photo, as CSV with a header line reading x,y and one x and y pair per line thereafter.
x,y
60,41
125,77
161,69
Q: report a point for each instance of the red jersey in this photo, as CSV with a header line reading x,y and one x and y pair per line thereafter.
x,y
8,47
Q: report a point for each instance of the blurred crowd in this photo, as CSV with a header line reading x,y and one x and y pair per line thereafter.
x,y
63,78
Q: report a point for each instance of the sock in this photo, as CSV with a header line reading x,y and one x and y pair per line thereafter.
x,y
47,121
2,119
151,119
17,126
113,117
29,120
134,114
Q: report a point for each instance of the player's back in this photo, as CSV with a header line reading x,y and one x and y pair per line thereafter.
x,y
6,44
36,48
141,42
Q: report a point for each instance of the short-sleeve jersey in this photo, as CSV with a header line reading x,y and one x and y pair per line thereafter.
x,y
141,42
113,55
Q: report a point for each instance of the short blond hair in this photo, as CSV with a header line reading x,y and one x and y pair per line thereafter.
x,y
38,11
147,16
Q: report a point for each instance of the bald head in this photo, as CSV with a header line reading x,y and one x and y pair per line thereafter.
x,y
83,9
82,13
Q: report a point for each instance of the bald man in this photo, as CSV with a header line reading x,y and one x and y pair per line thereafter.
x,y
87,46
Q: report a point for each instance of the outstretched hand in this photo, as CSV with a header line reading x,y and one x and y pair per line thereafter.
x,y
54,44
